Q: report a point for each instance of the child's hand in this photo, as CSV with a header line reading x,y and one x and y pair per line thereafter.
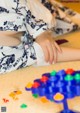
x,y
49,46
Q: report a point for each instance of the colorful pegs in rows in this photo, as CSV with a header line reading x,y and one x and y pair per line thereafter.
x,y
56,86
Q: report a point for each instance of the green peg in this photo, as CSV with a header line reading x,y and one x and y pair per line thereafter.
x,y
77,77
68,77
53,73
35,95
23,106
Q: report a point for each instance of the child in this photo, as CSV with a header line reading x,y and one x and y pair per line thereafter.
x,y
26,40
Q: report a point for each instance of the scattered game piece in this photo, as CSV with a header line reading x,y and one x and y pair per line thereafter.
x,y
5,100
15,98
14,94
18,92
44,99
23,106
35,96
57,87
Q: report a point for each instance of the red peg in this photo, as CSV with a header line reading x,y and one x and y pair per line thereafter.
x,y
69,71
35,85
44,78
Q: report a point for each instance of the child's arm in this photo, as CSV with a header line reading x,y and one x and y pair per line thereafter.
x,y
49,46
53,53
39,30
68,54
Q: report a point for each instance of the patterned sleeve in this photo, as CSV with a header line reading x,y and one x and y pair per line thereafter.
x,y
48,5
34,25
38,17
16,16
11,17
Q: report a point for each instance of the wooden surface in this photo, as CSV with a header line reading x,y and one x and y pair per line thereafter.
x,y
73,5
17,80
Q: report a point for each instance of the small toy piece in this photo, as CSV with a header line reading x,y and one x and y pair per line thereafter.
x,y
14,94
35,96
44,99
57,87
18,92
28,86
58,97
69,71
5,100
23,106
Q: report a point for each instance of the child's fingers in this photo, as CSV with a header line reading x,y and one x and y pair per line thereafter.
x,y
50,52
55,54
58,47
46,54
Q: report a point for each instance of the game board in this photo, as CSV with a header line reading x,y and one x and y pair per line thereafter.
x,y
57,87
